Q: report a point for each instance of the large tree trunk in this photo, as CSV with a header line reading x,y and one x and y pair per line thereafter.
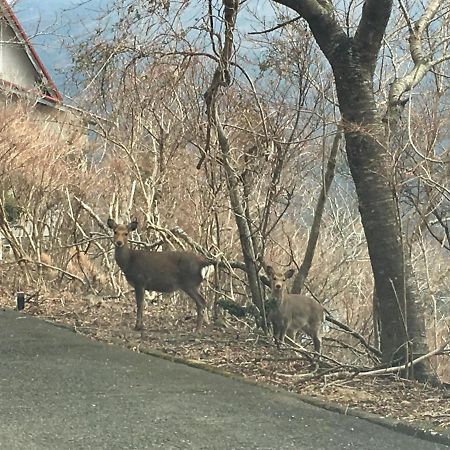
x,y
401,317
379,217
353,60
370,170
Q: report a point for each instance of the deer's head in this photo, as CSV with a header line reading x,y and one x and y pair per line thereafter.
x,y
278,279
121,231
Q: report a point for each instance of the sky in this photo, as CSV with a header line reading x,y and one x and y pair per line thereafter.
x,y
50,23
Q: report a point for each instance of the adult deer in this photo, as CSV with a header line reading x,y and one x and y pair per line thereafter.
x,y
163,272
293,313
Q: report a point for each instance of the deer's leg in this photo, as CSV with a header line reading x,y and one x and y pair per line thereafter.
x,y
317,341
315,333
276,331
277,328
292,334
282,333
200,303
139,293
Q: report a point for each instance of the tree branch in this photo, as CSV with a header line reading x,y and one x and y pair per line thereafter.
x,y
408,365
315,228
276,27
370,31
320,15
422,63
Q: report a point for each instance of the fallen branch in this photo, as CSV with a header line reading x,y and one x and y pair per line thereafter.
x,y
338,372
355,334
388,370
58,269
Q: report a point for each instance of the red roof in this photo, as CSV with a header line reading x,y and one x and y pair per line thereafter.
x,y
53,94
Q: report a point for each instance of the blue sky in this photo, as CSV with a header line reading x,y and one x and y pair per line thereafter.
x,y
51,22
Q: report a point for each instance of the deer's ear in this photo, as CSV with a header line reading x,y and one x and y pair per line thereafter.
x,y
111,224
269,270
288,274
132,225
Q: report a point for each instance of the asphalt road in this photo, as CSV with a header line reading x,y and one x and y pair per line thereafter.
x,y
60,390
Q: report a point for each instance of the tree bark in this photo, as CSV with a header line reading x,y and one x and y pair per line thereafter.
x,y
353,61
370,170
245,234
401,315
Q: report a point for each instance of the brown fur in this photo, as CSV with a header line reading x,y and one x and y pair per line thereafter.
x,y
166,271
294,313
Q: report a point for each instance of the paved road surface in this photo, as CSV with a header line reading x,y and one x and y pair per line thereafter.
x,y
60,390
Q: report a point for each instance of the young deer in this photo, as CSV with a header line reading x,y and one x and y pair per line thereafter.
x,y
159,271
293,313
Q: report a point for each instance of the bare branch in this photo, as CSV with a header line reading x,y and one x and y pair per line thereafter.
x,y
315,228
371,29
423,63
276,27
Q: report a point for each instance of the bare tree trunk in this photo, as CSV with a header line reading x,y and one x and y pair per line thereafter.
x,y
221,78
353,60
245,235
394,277
376,319
302,274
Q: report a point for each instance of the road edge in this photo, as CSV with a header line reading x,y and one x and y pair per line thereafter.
x,y
420,430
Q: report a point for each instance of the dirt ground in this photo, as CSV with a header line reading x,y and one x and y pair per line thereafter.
x,y
241,349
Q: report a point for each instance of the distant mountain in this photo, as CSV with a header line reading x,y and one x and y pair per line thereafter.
x,y
52,24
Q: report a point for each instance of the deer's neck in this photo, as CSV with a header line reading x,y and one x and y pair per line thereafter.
x,y
278,295
122,255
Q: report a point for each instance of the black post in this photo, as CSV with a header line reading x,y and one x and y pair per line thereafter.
x,y
20,300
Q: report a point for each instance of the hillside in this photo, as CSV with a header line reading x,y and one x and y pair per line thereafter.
x,y
296,154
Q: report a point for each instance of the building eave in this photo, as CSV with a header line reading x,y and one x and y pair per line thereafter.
x,y
34,58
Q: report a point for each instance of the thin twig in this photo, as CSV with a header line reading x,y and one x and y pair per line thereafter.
x,y
276,27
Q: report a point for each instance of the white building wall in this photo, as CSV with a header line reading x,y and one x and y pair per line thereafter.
x,y
15,66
